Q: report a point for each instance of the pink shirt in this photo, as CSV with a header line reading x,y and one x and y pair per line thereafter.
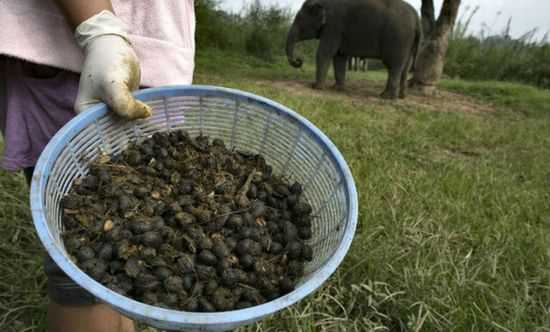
x,y
162,32
33,109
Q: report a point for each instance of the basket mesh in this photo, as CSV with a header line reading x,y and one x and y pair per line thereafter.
x,y
243,123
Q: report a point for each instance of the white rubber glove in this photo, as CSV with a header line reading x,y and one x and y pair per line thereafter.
x,y
111,68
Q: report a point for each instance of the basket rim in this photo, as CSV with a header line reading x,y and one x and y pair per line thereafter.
x,y
147,312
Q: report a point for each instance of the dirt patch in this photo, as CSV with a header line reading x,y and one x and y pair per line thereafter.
x,y
360,91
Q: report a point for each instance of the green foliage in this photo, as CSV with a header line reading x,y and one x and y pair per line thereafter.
x,y
266,30
498,56
258,30
215,28
258,45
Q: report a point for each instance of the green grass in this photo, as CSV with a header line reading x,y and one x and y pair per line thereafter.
x,y
22,293
454,209
519,97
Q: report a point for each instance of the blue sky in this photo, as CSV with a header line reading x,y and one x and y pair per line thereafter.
x,y
491,16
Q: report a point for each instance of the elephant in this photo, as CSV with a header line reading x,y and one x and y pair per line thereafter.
x,y
389,30
357,63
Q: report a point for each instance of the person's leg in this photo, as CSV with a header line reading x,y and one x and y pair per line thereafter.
x,y
88,318
72,308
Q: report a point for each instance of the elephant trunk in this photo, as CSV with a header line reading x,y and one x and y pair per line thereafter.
x,y
291,41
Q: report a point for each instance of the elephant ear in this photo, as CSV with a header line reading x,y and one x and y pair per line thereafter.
x,y
317,9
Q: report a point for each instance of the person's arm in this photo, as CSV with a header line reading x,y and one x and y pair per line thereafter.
x,y
77,11
111,69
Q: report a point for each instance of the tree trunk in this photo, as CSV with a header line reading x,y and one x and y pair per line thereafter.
x,y
431,58
428,17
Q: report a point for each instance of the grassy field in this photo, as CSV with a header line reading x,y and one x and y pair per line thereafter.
x,y
454,207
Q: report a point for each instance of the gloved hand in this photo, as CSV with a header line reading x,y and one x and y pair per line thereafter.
x,y
111,68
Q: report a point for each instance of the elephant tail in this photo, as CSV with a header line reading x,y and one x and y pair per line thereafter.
x,y
417,42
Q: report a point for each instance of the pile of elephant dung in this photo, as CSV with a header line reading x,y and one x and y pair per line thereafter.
x,y
187,224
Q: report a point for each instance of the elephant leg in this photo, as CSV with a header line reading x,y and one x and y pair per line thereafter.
x,y
404,75
392,85
339,64
326,51
321,74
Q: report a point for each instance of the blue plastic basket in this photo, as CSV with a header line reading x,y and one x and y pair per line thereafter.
x,y
290,143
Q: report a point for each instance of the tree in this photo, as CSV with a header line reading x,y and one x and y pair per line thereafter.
x,y
431,58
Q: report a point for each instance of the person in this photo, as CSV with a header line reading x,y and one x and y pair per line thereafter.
x,y
59,57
